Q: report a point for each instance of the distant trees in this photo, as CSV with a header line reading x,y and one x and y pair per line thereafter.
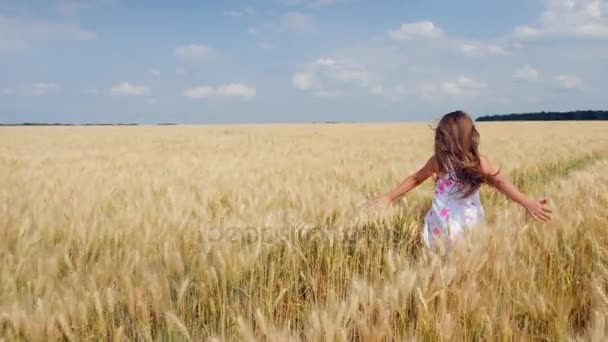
x,y
549,116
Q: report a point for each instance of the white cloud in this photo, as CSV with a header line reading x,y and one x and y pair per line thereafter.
x,y
155,72
200,92
427,30
376,90
417,30
128,89
225,90
296,22
305,81
193,52
472,48
18,34
401,90
46,86
527,73
462,86
330,72
427,90
569,81
343,70
497,49
568,18
36,89
236,89
525,32
469,49
327,61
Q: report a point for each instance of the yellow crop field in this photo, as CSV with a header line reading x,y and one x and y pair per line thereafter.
x,y
247,232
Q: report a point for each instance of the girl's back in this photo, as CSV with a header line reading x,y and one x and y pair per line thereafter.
x,y
451,213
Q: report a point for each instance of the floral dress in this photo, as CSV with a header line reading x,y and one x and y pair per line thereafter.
x,y
450,215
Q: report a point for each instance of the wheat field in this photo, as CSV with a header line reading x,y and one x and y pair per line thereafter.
x,y
255,232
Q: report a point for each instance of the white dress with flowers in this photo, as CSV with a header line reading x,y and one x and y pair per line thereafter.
x,y
450,215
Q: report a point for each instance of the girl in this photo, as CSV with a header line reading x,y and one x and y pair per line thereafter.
x,y
459,171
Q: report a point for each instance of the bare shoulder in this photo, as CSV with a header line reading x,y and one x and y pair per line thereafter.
x,y
429,168
432,164
487,167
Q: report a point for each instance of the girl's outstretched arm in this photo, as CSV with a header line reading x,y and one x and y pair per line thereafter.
x,y
407,184
535,208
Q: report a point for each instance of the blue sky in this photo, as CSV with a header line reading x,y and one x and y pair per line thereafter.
x,y
297,60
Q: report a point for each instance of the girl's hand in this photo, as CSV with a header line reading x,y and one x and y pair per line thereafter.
x,y
537,210
379,202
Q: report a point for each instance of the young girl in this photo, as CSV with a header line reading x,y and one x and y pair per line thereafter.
x,y
459,171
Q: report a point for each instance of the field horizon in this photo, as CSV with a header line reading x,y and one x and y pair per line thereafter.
x,y
545,116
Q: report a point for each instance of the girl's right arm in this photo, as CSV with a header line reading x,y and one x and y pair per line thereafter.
x,y
535,208
412,181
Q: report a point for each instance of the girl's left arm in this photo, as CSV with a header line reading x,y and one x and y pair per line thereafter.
x,y
412,181
536,208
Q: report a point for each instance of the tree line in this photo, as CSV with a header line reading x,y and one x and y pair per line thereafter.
x,y
548,116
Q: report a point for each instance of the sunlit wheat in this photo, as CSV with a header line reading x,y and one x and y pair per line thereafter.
x,y
255,232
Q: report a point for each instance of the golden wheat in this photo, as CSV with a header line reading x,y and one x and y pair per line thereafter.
x,y
255,232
